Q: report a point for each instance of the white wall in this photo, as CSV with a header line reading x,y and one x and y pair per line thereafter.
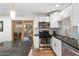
x,y
40,18
37,19
74,32
6,35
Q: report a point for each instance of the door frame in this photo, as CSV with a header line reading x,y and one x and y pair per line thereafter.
x,y
22,22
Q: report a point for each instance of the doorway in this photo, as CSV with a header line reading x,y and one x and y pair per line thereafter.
x,y
22,30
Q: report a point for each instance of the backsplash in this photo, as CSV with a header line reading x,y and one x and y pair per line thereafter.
x,y
74,32
65,27
67,30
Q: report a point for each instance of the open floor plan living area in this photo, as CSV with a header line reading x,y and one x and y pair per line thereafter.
x,y
39,29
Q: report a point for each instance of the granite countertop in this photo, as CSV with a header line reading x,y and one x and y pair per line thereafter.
x,y
70,41
7,48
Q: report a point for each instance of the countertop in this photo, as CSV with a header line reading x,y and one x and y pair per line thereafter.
x,y
7,49
70,41
36,34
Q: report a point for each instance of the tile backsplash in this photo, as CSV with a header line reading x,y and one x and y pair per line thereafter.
x,y
72,31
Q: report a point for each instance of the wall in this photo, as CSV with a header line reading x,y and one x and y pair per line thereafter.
x,y
6,35
74,32
37,19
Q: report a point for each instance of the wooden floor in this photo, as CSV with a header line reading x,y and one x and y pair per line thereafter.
x,y
43,52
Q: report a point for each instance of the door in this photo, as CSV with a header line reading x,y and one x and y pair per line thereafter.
x,y
27,30
21,30
16,32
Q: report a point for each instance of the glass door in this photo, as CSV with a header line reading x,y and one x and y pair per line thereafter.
x,y
28,30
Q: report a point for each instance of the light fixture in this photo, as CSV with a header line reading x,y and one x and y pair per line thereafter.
x,y
12,12
57,5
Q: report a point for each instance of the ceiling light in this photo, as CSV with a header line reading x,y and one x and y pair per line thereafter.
x,y
57,5
12,14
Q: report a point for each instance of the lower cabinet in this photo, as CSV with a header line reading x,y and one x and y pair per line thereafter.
x,y
56,46
62,49
69,51
36,42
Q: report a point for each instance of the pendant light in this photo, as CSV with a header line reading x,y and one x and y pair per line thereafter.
x,y
12,12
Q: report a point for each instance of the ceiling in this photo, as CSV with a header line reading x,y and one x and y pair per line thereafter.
x,y
26,9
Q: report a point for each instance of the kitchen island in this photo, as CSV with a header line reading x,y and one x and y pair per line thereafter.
x,y
7,48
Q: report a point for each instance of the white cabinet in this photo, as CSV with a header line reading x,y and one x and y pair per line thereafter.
x,y
54,19
73,12
75,15
51,42
36,42
57,46
65,13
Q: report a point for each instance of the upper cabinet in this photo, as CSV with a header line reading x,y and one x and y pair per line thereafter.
x,y
56,45
73,12
53,20
75,15
65,13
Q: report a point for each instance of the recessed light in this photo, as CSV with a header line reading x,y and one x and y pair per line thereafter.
x,y
57,5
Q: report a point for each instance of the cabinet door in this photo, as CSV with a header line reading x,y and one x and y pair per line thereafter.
x,y
57,46
51,42
36,42
53,20
65,13
69,51
75,15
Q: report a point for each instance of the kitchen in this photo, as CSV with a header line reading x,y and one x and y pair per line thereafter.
x,y
49,28
64,31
